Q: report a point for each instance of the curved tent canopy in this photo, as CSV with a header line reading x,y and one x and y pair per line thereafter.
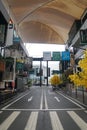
x,y
45,21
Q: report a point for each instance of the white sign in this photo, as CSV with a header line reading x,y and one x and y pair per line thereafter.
x,y
46,56
9,38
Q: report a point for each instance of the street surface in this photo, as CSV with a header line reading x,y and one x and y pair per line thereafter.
x,y
40,108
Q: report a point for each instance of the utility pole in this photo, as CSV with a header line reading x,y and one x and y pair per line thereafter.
x,y
40,73
47,72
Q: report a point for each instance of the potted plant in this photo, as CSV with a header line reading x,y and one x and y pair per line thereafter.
x,y
29,83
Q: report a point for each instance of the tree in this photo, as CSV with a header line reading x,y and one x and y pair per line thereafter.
x,y
80,78
55,80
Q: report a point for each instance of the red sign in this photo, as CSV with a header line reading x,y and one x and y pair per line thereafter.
x,y
2,66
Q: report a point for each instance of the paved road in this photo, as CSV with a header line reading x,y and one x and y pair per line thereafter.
x,y
43,109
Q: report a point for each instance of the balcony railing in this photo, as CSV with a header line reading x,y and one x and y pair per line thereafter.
x,y
75,32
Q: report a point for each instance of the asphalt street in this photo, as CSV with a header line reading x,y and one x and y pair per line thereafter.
x,y
40,108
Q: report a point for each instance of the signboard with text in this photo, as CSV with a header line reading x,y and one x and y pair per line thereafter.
x,y
56,72
19,66
47,56
56,56
65,55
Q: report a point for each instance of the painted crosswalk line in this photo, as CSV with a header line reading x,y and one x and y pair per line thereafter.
x,y
6,124
55,121
85,111
32,121
79,121
1,111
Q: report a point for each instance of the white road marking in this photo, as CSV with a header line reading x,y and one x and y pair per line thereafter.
x,y
14,101
81,124
30,99
41,104
6,124
57,99
71,100
50,93
32,121
64,109
50,87
46,105
85,111
1,112
55,121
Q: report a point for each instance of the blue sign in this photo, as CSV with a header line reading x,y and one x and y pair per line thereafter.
x,y
16,40
66,55
19,66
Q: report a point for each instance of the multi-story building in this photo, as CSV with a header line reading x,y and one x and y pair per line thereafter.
x,y
77,39
14,58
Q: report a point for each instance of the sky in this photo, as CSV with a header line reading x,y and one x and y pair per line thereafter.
x,y
36,51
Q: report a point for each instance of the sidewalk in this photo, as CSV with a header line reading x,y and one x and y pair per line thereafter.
x,y
6,95
77,95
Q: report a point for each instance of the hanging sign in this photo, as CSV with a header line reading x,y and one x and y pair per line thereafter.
x,y
47,56
56,56
66,55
